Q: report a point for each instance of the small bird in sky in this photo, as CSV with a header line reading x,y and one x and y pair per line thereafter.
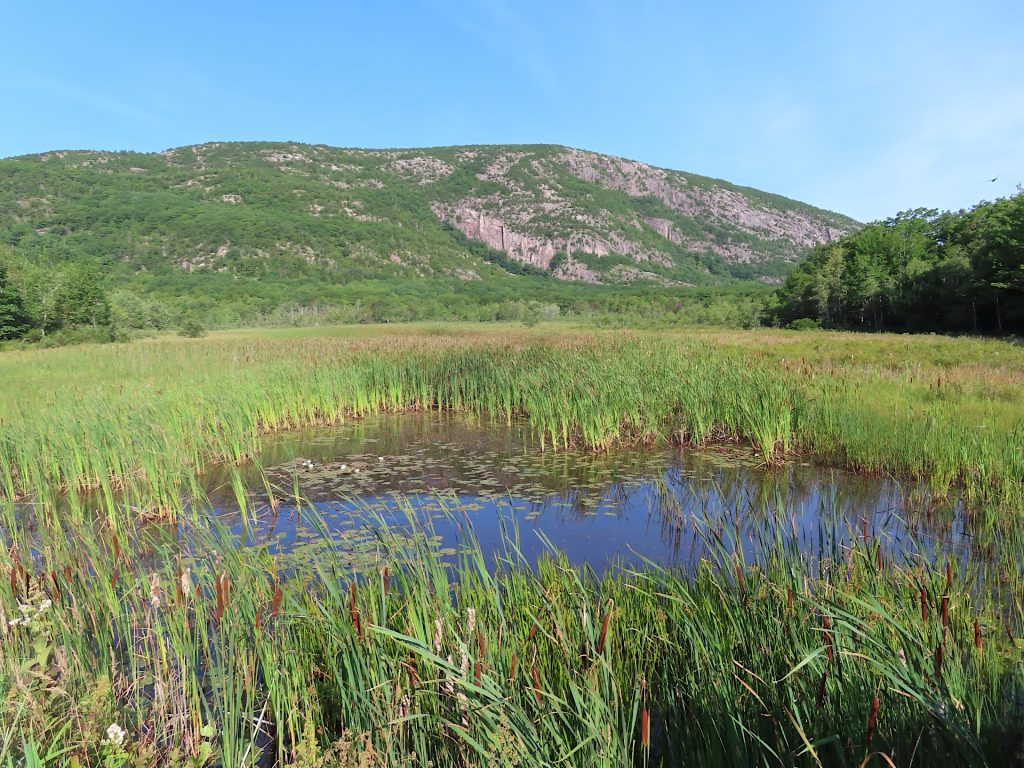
x,y
993,179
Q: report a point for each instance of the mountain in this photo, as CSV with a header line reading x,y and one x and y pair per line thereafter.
x,y
283,211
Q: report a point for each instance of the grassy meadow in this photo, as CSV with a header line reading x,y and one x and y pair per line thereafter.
x,y
124,647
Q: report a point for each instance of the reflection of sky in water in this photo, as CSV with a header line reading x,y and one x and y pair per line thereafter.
x,y
661,504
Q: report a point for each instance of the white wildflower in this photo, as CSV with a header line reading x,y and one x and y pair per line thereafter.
x,y
472,619
115,735
45,605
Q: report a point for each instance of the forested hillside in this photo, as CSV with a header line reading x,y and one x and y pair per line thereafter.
x,y
237,233
919,271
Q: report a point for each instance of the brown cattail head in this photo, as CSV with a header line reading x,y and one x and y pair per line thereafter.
x,y
789,601
481,643
512,668
477,670
879,559
533,632
945,611
871,720
179,593
56,585
924,605
827,623
276,601
821,688
977,634
386,579
740,582
536,684
67,573
355,612
259,619
604,633
113,578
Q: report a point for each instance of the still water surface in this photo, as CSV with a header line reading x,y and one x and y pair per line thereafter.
x,y
667,505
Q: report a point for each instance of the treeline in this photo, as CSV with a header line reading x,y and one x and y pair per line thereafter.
x,y
919,271
58,302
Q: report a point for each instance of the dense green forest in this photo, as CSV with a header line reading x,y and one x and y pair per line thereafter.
x,y
919,271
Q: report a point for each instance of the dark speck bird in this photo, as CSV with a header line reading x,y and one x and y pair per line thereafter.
x,y
991,180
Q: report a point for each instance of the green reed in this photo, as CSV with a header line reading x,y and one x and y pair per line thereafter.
x,y
144,419
224,652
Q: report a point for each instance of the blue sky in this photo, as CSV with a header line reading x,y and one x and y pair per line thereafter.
x,y
866,108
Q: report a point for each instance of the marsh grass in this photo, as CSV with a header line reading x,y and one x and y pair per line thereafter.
x,y
789,661
143,420
129,605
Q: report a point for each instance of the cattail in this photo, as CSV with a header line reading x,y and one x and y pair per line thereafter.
x,y
789,601
604,633
259,619
56,585
879,562
413,676
533,632
945,611
386,578
15,578
924,605
355,612
740,582
512,668
67,573
276,603
871,720
977,634
477,670
821,687
481,644
536,684
114,577
827,623
179,592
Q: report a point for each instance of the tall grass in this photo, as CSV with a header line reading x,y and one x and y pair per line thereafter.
x,y
129,606
145,419
220,650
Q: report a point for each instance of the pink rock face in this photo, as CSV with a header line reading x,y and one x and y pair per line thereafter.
x,y
518,221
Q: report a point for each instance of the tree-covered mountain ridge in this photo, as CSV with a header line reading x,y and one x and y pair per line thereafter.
x,y
279,210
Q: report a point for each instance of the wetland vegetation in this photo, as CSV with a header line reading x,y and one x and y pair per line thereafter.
x,y
148,618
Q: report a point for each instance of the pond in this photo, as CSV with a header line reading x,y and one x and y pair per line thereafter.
x,y
666,505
